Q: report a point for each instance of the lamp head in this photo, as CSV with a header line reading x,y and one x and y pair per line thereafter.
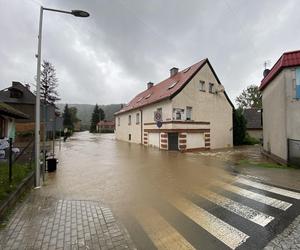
x,y
80,13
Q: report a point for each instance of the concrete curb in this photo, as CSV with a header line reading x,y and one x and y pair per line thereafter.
x,y
26,184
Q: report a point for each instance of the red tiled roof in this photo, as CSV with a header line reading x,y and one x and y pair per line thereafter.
x,y
111,123
163,90
288,59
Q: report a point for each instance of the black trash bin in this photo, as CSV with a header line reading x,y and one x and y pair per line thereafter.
x,y
51,163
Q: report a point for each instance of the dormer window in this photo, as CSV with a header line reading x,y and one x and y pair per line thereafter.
x,y
15,93
147,96
139,99
172,85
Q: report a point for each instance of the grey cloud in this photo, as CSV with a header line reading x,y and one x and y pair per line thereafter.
x,y
109,57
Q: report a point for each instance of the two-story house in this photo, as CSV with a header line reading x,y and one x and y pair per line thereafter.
x,y
281,108
196,112
20,97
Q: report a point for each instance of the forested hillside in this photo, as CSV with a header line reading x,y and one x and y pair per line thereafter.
x,y
84,111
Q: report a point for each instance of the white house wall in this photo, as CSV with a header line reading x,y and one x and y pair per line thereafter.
x,y
293,106
274,117
208,107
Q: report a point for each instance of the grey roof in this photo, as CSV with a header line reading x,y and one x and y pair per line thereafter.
x,y
27,96
253,117
11,112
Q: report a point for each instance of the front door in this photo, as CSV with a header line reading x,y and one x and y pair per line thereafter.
x,y
173,141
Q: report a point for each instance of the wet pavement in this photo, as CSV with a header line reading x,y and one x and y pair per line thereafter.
x,y
127,196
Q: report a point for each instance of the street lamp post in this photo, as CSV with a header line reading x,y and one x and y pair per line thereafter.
x,y
77,13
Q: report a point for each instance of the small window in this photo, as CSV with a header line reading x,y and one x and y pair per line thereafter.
x,y
137,118
119,121
129,137
172,85
147,96
186,70
129,120
188,113
178,113
202,86
139,99
211,88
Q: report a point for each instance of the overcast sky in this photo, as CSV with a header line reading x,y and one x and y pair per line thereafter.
x,y
110,56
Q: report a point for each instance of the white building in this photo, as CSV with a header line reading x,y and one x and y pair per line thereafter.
x,y
196,112
281,108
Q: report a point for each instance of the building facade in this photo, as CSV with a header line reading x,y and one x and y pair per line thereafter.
x,y
21,98
281,108
195,112
106,126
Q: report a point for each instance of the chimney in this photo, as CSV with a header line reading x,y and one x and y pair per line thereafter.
x,y
173,71
150,85
266,72
27,86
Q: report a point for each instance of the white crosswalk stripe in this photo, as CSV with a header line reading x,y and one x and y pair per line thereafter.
x,y
283,205
229,235
165,236
237,208
271,189
162,234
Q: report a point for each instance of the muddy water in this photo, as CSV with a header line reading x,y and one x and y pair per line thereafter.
x,y
123,175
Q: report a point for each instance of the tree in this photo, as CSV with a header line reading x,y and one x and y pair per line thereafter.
x,y
49,83
250,98
67,118
98,115
239,127
73,112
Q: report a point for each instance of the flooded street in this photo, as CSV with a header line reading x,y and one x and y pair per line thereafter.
x,y
97,167
108,194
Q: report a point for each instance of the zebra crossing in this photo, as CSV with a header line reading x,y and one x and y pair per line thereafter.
x,y
245,214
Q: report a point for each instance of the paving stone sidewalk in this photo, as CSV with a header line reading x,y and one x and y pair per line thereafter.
x,y
288,239
63,224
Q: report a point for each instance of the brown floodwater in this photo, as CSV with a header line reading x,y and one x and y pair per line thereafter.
x,y
124,175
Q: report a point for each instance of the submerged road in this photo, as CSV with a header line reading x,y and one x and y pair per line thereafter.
x,y
143,198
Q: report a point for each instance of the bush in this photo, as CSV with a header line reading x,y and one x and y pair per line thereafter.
x,y
248,140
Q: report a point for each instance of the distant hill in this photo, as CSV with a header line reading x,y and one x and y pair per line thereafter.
x,y
84,111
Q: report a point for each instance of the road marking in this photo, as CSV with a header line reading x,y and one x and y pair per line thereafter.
x,y
283,205
162,234
237,208
271,189
224,232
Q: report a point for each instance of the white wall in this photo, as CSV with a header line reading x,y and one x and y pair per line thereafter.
x,y
274,117
208,107
195,140
153,139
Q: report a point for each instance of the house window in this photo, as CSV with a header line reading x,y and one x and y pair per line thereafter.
x,y
129,120
178,114
118,121
202,86
297,83
189,113
211,87
137,118
129,137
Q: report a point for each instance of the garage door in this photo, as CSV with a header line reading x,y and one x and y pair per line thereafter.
x,y
195,140
153,139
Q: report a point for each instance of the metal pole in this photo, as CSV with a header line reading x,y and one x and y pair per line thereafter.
x,y
37,105
10,160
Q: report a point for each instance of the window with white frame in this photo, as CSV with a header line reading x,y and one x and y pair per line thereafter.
x,y
202,85
188,113
129,120
137,117
211,87
178,114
